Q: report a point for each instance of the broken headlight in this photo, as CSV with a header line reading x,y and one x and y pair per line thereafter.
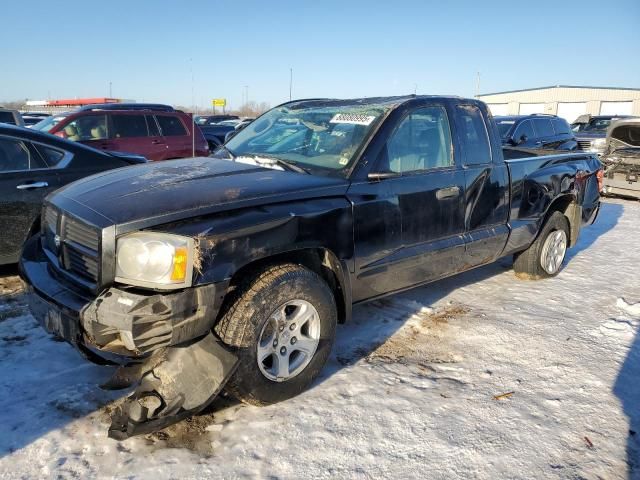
x,y
598,145
155,260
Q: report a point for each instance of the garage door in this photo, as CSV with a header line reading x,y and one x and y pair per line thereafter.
x,y
616,108
570,111
529,108
499,109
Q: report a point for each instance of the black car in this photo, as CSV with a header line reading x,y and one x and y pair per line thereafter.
x,y
214,119
32,164
536,132
31,119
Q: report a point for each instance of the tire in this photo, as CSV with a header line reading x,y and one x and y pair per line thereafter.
x,y
533,263
278,294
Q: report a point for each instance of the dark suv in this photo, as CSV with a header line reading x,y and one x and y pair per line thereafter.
x,y
536,132
157,132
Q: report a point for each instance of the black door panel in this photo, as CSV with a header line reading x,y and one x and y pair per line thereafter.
x,y
22,195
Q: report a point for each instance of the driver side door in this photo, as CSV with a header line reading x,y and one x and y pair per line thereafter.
x,y
409,226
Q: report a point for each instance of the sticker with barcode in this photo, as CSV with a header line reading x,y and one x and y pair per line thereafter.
x,y
352,118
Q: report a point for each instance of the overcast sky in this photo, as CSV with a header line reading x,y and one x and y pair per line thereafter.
x,y
151,50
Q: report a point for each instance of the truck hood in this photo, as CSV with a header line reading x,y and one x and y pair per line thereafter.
x,y
146,195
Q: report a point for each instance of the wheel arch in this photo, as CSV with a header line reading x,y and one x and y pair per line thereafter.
x,y
566,204
320,260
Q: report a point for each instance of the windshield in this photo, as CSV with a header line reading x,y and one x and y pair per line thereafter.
x,y
595,125
48,123
504,126
313,135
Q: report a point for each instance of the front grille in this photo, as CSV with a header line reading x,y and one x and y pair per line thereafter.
x,y
73,244
584,145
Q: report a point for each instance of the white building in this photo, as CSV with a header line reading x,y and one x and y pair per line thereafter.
x,y
565,101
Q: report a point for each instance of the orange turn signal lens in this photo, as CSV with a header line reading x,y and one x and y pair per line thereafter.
x,y
180,258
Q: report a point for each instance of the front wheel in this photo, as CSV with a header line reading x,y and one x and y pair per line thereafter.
x,y
281,323
544,257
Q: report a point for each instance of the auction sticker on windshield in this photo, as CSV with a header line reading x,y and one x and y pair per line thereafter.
x,y
352,118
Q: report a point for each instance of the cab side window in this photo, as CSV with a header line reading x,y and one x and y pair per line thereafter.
x,y
88,127
128,126
525,128
171,126
544,127
474,135
421,142
16,155
561,126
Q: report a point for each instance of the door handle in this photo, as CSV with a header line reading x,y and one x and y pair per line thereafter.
x,y
28,186
157,142
448,192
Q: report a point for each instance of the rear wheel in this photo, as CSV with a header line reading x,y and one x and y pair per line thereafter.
x,y
281,323
544,257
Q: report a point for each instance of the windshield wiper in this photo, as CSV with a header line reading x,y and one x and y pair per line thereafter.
x,y
283,163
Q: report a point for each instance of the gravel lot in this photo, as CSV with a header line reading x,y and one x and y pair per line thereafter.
x,y
478,376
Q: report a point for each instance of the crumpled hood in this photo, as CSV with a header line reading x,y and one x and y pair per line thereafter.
x,y
160,192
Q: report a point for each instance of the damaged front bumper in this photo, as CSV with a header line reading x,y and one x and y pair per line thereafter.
x,y
161,342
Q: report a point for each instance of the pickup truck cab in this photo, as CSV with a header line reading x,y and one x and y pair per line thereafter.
x,y
233,271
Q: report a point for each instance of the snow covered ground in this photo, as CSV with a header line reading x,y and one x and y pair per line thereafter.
x,y
478,376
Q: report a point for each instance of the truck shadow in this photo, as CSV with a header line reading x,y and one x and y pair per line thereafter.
x,y
627,389
607,219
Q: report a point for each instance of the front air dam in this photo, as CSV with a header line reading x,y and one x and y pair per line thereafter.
x,y
173,385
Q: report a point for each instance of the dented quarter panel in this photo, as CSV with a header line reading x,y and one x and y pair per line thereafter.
x,y
537,182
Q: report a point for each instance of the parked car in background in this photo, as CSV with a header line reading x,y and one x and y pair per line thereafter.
x,y
216,135
591,131
213,119
537,131
155,131
33,164
235,273
11,117
621,158
30,119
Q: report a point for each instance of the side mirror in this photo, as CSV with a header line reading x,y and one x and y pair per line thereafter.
x,y
230,135
523,139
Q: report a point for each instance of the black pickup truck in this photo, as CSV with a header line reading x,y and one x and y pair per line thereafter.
x,y
199,274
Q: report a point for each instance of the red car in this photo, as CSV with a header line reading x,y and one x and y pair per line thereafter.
x,y
158,132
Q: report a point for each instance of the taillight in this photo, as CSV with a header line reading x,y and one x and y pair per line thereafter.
x,y
600,177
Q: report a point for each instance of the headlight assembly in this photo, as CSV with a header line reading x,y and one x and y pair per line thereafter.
x,y
598,145
156,260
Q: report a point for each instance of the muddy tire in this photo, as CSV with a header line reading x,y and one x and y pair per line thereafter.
x,y
543,259
281,323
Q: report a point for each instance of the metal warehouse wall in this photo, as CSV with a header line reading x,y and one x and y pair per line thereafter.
x,y
509,102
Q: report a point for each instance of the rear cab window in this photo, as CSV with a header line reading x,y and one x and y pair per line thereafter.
x,y
473,135
171,126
